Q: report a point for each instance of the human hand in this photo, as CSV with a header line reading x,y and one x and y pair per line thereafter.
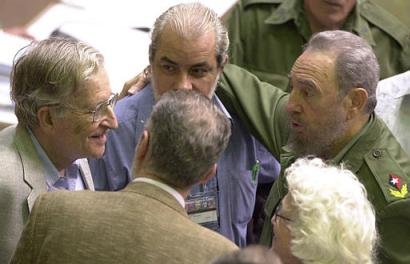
x,y
137,83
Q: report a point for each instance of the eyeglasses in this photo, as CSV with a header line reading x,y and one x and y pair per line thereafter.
x,y
277,214
99,110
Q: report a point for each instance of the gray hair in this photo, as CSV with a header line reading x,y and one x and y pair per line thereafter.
x,y
187,134
49,72
334,221
191,20
356,63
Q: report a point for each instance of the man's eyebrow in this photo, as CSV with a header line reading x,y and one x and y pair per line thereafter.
x,y
168,60
306,83
202,64
199,64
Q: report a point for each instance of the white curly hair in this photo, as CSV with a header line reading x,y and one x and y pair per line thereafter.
x,y
334,221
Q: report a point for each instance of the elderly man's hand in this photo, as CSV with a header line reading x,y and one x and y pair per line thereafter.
x,y
137,83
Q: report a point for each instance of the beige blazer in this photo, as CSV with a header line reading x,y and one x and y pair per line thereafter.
x,y
22,180
140,224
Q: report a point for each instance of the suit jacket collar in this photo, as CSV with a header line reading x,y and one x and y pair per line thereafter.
x,y
155,193
33,170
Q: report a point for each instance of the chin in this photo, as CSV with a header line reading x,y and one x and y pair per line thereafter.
x,y
97,153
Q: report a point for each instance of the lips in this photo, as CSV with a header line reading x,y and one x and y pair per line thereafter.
x,y
296,126
99,138
333,3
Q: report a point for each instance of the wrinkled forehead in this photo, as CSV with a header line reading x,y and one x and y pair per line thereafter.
x,y
318,66
187,47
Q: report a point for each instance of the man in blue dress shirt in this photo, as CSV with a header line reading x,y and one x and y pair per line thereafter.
x,y
188,51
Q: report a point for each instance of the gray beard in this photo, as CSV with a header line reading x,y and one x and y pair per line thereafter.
x,y
319,143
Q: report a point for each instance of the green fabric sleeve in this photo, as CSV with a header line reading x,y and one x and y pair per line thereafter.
x,y
260,105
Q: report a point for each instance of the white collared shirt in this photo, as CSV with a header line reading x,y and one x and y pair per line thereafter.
x,y
164,187
393,106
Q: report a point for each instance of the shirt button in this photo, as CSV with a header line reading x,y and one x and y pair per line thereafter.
x,y
377,153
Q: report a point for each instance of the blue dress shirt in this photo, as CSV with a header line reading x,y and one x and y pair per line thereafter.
x,y
240,166
72,173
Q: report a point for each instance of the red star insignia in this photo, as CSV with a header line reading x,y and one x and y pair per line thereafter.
x,y
395,181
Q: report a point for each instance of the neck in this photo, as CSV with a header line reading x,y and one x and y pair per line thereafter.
x,y
146,173
59,162
316,27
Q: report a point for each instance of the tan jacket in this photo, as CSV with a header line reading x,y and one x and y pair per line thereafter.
x,y
140,224
22,180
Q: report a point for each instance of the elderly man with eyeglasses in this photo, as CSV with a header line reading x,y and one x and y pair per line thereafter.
x,y
64,107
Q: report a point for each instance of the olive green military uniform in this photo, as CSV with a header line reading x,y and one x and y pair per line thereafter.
x,y
267,36
373,155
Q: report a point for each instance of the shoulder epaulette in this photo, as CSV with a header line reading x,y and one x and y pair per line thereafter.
x,y
385,21
390,177
252,2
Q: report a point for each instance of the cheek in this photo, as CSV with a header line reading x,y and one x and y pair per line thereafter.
x,y
206,86
162,83
282,244
84,129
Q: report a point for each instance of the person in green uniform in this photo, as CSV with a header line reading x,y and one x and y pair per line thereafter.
x,y
329,113
267,36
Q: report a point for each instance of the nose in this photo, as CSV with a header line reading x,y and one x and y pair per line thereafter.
x,y
184,81
293,105
110,119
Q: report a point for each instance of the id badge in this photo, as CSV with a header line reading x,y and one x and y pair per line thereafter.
x,y
202,208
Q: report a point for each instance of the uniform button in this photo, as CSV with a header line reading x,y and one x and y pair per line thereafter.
x,y
377,153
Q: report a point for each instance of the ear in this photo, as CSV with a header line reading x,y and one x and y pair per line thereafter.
x,y
355,102
142,147
45,118
209,174
224,61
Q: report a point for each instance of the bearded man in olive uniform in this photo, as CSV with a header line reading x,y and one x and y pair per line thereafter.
x,y
329,113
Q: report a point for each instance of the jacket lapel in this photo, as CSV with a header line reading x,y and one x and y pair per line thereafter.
x,y
33,171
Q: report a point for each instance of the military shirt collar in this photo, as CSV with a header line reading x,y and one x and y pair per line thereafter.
x,y
358,25
293,10
352,154
288,10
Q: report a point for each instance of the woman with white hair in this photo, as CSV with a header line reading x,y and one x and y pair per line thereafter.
x,y
325,217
